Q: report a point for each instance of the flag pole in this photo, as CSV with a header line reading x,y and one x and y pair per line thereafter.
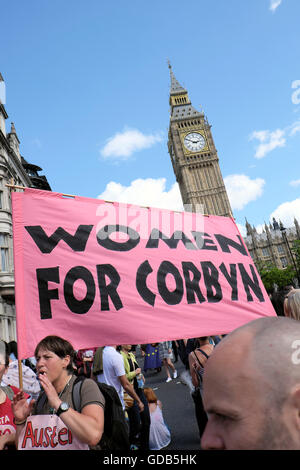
x,y
20,375
16,186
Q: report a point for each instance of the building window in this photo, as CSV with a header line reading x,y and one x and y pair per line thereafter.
x,y
4,251
265,252
284,262
280,249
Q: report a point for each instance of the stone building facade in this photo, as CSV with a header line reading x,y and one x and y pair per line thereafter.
x,y
14,170
274,245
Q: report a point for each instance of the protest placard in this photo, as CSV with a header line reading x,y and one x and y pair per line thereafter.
x,y
100,273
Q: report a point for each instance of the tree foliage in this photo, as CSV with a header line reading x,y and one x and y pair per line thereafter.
x,y
280,277
296,253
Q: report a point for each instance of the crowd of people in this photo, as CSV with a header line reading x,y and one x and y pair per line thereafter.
x,y
245,387
29,416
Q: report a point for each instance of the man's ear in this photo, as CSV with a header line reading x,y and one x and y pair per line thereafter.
x,y
295,396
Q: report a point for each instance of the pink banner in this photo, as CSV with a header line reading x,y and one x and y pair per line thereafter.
x,y
100,273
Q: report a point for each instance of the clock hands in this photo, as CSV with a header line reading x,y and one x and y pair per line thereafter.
x,y
194,142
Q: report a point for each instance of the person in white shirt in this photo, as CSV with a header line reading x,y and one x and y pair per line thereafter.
x,y
114,375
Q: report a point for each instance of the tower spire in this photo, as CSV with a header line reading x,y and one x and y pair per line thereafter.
x,y
175,87
13,129
13,140
181,107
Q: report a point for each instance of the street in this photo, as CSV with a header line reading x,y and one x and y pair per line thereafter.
x,y
178,406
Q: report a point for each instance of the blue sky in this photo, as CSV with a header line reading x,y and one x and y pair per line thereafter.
x,y
87,87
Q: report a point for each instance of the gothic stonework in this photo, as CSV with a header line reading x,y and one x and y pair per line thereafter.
x,y
194,156
272,247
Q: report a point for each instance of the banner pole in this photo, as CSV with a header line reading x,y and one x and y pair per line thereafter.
x,y
15,186
20,375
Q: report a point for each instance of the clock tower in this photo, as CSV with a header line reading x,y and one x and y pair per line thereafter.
x,y
194,156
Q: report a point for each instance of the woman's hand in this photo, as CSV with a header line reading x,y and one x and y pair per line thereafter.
x,y
20,406
53,398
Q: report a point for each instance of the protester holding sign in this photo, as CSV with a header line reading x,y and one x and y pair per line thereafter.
x,y
51,423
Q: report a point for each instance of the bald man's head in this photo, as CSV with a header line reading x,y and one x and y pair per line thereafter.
x,y
248,380
273,344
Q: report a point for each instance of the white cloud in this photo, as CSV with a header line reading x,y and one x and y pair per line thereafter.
x,y
269,140
123,144
287,211
145,192
274,4
295,183
295,128
241,190
296,94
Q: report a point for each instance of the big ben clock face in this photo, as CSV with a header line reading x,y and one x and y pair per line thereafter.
x,y
194,142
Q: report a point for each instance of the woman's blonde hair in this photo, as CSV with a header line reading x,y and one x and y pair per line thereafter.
x,y
150,395
292,305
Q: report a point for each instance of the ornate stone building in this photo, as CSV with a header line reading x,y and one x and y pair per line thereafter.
x,y
194,156
13,170
274,245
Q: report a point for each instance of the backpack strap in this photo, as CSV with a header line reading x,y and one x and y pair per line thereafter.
x,y
203,352
76,393
201,365
197,359
76,397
